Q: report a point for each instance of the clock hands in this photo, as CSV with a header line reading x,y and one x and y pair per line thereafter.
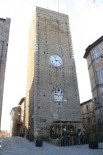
x,y
56,60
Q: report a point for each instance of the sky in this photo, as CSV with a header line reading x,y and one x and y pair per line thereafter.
x,y
86,25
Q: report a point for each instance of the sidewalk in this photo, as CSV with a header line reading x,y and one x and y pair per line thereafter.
x,y
21,146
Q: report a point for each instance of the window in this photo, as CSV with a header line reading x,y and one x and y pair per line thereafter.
x,y
88,120
97,103
95,54
98,121
100,76
87,108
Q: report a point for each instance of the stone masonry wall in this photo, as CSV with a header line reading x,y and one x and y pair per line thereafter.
x,y
53,37
4,37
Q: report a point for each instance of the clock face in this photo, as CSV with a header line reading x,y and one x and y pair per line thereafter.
x,y
56,60
58,94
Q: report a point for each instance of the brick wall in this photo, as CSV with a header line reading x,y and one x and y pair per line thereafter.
x,y
53,37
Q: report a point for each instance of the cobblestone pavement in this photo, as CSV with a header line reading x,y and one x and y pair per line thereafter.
x,y
21,146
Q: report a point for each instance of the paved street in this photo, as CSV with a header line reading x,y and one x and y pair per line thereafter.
x,y
21,146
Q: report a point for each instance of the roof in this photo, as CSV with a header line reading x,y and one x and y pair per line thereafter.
x,y
14,108
2,19
92,46
86,102
22,99
48,11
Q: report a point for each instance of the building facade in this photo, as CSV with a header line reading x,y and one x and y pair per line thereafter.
x,y
22,116
17,126
88,115
52,90
4,133
4,37
94,56
15,121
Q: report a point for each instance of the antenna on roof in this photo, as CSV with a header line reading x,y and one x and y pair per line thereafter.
x,y
58,5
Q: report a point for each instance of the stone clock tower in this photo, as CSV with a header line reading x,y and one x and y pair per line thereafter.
x,y
52,91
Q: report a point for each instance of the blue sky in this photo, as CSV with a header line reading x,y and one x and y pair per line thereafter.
x,y
86,26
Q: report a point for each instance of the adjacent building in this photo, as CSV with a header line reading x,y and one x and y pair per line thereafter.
x,y
88,115
94,56
4,133
22,116
52,90
4,38
17,126
15,121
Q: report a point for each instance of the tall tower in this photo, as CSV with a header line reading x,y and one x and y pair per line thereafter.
x,y
52,91
4,37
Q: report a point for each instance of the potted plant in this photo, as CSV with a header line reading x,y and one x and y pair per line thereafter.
x,y
93,141
39,142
